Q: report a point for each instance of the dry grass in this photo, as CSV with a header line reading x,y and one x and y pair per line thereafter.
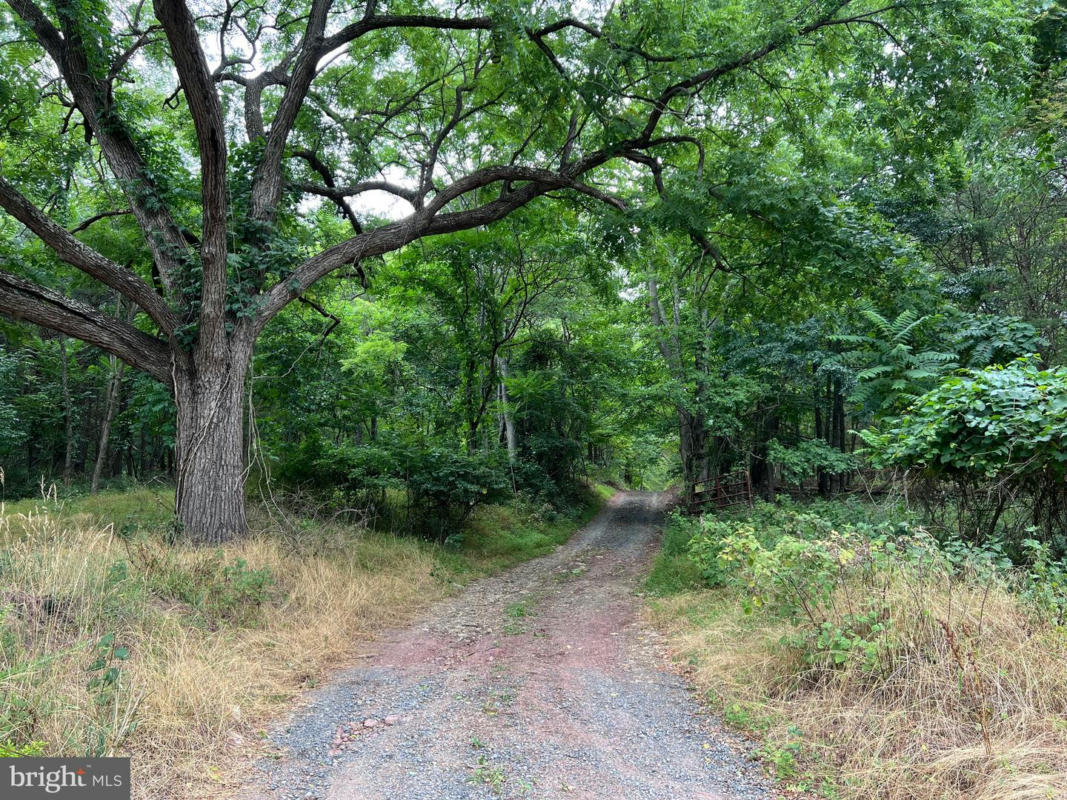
x,y
970,700
204,673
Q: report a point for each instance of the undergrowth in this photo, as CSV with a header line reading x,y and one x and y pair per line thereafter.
x,y
115,639
867,658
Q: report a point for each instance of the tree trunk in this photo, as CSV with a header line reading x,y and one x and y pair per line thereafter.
x,y
824,431
839,430
692,447
761,471
509,419
68,414
110,405
209,449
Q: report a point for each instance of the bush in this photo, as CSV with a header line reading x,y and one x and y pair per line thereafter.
x,y
441,486
807,458
828,570
446,486
875,662
1000,435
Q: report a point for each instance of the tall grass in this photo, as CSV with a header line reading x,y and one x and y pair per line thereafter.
x,y
957,687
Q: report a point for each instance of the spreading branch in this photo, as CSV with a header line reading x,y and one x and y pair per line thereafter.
x,y
21,299
82,257
92,96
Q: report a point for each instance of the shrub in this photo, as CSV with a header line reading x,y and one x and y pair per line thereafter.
x,y
807,458
442,486
999,434
447,485
829,571
917,668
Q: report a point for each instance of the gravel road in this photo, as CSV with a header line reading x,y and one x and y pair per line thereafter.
x,y
537,683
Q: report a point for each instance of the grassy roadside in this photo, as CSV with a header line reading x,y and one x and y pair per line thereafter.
x,y
113,641
867,665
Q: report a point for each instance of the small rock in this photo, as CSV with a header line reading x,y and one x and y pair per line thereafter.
x,y
392,719
370,723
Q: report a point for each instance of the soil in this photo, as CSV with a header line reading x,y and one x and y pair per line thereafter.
x,y
541,682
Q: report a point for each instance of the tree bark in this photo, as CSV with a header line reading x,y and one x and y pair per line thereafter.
x,y
692,448
209,449
839,430
761,470
509,419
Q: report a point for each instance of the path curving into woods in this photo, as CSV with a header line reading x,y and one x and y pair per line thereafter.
x,y
541,682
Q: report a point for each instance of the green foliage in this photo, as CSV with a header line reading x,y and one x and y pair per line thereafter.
x,y
823,568
828,569
982,340
896,369
442,487
807,458
1002,421
800,579
18,716
11,749
999,434
1044,584
450,485
784,758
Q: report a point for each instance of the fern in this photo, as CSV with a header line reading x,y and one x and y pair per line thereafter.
x,y
892,374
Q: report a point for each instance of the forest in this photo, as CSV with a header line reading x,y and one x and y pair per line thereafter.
x,y
312,312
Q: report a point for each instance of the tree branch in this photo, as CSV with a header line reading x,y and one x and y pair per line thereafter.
x,y
86,259
334,192
24,300
92,96
700,79
385,240
495,174
328,191
84,224
206,111
267,184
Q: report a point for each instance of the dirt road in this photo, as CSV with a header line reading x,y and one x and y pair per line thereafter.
x,y
538,683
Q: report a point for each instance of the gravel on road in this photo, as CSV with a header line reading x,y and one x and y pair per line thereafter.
x,y
541,682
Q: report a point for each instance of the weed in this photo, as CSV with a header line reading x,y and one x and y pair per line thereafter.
x,y
114,708
921,671
485,773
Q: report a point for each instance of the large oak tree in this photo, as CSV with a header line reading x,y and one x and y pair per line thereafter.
x,y
214,126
